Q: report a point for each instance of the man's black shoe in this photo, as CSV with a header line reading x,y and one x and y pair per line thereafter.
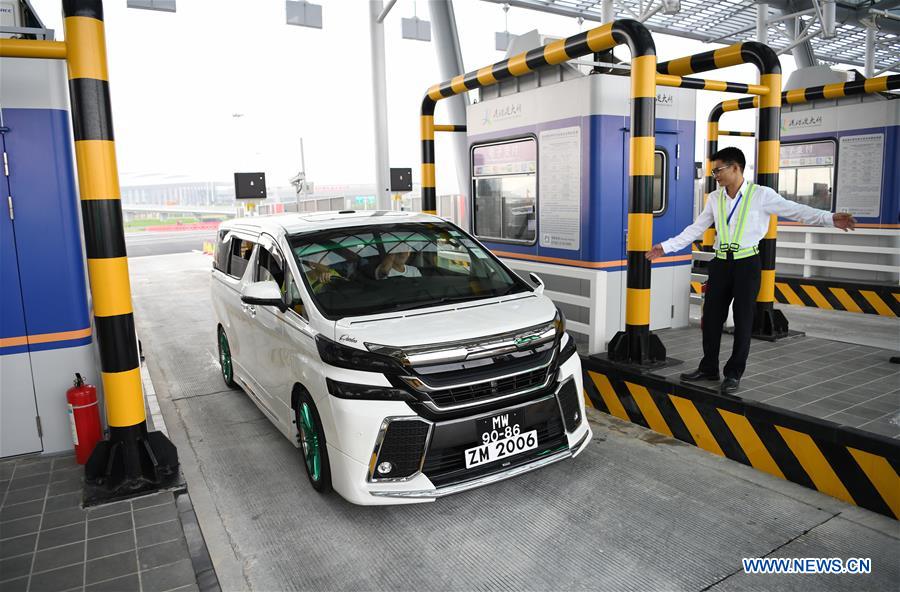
x,y
730,385
699,374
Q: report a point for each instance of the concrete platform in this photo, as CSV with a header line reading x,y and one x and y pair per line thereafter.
x,y
636,511
849,384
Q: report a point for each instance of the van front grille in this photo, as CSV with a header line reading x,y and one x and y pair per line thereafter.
x,y
489,389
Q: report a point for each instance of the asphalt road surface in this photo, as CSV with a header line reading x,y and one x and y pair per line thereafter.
x,y
635,511
142,244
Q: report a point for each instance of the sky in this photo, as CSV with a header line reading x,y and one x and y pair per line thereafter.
x,y
226,85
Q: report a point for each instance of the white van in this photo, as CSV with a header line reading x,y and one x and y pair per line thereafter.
x,y
405,360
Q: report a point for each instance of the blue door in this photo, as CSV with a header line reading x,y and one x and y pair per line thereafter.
x,y
18,408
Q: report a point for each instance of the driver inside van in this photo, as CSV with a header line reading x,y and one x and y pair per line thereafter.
x,y
394,263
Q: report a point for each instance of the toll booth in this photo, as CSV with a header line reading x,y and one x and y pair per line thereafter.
x,y
843,155
549,159
45,326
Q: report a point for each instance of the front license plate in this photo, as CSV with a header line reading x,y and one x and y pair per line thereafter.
x,y
501,437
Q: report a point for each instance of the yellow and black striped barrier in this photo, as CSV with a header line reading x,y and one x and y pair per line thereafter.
x,y
875,299
846,463
636,344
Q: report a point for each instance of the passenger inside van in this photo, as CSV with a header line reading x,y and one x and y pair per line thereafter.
x,y
394,263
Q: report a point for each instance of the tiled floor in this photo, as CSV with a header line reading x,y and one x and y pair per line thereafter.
x,y
853,385
49,543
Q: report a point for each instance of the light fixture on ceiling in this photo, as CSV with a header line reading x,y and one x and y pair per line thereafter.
x,y
415,28
303,14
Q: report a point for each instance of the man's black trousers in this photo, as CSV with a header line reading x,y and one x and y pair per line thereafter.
x,y
737,280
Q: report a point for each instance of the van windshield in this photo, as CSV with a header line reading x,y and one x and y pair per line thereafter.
x,y
375,269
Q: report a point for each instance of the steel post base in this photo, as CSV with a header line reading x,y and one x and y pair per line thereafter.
x,y
639,348
770,324
132,462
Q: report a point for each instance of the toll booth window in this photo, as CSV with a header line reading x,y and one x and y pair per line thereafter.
x,y
504,176
240,254
660,182
806,173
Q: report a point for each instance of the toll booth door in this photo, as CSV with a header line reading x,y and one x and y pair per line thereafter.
x,y
662,295
18,408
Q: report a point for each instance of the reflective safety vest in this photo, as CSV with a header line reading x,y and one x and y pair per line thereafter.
x,y
728,243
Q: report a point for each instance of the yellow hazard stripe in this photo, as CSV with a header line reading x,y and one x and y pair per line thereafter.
x,y
110,286
813,292
609,396
789,294
845,299
85,48
695,425
751,444
882,475
877,303
124,398
814,463
98,173
587,399
648,408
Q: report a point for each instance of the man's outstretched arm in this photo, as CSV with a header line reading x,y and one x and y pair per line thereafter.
x,y
687,236
774,203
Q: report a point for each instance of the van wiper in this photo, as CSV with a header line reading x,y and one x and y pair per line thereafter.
x,y
437,302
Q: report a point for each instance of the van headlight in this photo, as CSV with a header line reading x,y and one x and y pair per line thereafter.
x,y
559,321
342,356
367,392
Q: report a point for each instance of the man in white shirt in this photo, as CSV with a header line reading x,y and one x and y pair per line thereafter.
x,y
740,212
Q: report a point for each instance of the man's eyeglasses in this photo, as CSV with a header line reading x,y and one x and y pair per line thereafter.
x,y
715,172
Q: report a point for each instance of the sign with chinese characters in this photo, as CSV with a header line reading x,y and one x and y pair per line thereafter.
x,y
860,175
802,121
559,189
807,154
510,158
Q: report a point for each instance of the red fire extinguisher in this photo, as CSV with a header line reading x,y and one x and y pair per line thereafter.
x,y
84,418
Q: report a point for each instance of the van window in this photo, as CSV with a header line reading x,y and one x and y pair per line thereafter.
x,y
270,266
220,260
402,266
241,249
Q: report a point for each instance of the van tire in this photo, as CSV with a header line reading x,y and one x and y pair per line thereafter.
x,y
313,449
225,361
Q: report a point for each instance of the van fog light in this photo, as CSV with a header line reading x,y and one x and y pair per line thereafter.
x,y
385,468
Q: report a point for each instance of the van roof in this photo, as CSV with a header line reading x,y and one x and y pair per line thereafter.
x,y
312,221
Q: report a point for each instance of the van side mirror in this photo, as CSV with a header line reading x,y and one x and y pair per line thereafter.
x,y
265,293
538,283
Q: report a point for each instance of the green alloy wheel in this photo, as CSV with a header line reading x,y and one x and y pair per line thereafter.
x,y
225,359
312,444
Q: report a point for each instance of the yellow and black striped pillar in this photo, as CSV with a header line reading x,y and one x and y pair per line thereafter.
x,y
768,323
126,460
712,146
636,344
